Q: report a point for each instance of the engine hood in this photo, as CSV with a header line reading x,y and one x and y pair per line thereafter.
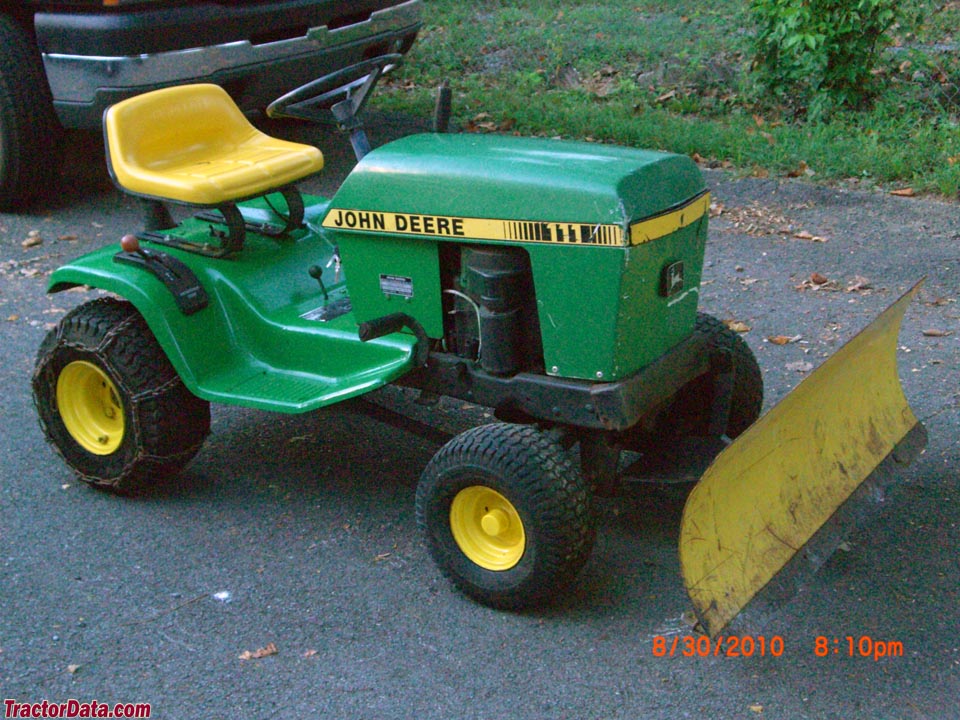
x,y
512,178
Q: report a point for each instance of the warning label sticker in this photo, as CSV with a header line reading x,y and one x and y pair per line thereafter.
x,y
396,285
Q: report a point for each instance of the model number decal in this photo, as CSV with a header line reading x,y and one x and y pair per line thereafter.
x,y
476,228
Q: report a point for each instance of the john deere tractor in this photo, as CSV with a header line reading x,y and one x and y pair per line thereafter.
x,y
555,282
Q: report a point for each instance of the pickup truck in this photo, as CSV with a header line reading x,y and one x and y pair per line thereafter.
x,y
63,63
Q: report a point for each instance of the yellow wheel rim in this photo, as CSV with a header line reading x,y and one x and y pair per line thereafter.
x,y
90,407
487,527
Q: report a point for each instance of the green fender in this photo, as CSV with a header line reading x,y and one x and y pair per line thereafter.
x,y
257,343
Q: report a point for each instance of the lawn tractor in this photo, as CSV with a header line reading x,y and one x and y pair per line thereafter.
x,y
554,282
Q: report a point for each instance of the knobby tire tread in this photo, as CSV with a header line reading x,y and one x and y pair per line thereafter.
x,y
555,496
166,423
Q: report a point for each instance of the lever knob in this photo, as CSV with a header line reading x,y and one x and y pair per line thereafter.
x,y
130,243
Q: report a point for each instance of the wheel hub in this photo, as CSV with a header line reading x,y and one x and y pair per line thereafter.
x,y
90,407
487,528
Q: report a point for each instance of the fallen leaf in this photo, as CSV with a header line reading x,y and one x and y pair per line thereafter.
x,y
567,77
381,557
33,239
818,281
858,284
13,318
804,235
757,221
310,653
799,171
937,333
263,652
72,668
756,707
783,339
67,238
667,96
903,192
737,326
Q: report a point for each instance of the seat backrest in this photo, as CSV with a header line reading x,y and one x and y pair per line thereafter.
x,y
168,127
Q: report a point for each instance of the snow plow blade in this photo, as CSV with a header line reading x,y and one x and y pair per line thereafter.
x,y
779,496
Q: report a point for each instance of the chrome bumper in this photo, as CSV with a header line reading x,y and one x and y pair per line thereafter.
x,y
83,86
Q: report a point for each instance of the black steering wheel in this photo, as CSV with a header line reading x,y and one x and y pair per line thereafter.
x,y
352,83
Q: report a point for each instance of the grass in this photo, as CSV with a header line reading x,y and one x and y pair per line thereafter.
x,y
676,76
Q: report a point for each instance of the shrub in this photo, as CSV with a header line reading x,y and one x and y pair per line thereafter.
x,y
820,54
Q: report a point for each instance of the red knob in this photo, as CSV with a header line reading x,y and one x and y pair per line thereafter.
x,y
130,243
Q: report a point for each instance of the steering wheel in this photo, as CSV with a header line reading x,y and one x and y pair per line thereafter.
x,y
353,83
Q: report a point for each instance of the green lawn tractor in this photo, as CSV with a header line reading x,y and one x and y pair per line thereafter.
x,y
554,282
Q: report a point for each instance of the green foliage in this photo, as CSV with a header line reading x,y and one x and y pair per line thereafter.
x,y
676,76
820,53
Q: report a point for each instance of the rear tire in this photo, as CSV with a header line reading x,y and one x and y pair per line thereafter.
x,y
111,403
505,515
30,134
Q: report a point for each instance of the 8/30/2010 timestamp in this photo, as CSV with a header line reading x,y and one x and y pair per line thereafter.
x,y
850,646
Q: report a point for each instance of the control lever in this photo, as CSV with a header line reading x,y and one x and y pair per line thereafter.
x,y
316,272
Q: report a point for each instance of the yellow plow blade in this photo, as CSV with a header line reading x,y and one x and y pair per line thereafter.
x,y
766,495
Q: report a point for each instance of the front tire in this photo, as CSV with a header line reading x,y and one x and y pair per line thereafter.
x,y
746,398
688,413
109,401
505,515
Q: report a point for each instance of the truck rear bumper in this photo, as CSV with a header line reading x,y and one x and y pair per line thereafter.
x,y
84,83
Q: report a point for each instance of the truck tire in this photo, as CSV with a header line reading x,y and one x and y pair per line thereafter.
x,y
30,134
689,412
109,401
505,515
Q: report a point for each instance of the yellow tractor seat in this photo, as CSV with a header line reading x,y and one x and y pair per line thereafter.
x,y
191,144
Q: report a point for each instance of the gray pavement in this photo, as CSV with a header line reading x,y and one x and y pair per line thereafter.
x,y
299,531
